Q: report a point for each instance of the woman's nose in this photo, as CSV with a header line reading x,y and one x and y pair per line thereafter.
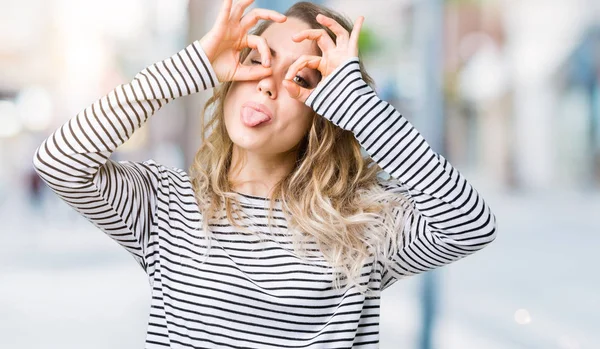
x,y
267,86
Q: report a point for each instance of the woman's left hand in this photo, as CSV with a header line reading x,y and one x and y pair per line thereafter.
x,y
333,53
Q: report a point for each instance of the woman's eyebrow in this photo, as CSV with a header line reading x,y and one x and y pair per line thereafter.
x,y
273,52
313,71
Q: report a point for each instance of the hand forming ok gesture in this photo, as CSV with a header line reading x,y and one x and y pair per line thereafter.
x,y
229,35
334,53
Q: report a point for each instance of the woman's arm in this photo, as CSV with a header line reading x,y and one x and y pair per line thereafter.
x,y
120,198
449,219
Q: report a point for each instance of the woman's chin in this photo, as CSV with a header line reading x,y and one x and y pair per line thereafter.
x,y
249,143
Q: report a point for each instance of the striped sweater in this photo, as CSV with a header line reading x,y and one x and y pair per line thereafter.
x,y
254,291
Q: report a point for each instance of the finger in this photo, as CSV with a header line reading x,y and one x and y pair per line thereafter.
x,y
224,12
259,43
239,9
296,91
252,17
251,72
305,61
319,35
341,34
353,44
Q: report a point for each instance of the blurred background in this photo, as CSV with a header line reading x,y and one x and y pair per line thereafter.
x,y
507,90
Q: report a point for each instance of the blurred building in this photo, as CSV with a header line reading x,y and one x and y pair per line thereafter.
x,y
578,82
514,71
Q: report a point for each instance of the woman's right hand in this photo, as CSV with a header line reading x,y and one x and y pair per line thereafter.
x,y
229,35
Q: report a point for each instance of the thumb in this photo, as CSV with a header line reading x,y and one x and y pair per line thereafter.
x,y
296,91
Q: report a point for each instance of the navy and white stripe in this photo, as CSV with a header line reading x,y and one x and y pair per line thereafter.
x,y
253,291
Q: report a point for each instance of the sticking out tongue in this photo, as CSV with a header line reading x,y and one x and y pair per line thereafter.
x,y
252,117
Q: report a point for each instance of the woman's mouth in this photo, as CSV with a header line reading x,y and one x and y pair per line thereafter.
x,y
253,114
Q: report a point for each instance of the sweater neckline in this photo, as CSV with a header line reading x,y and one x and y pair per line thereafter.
x,y
255,198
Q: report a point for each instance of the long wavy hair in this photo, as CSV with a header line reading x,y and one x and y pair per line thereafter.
x,y
331,198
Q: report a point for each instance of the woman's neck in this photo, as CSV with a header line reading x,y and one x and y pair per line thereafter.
x,y
257,174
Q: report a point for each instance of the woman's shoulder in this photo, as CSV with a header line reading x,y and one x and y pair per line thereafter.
x,y
157,171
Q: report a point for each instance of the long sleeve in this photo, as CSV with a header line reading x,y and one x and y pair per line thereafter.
x,y
120,198
448,219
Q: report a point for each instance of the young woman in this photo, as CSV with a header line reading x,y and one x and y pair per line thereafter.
x,y
283,235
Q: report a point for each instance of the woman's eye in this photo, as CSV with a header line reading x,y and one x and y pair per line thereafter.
x,y
300,81
254,61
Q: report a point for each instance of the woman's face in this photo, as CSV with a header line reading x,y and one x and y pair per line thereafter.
x,y
249,103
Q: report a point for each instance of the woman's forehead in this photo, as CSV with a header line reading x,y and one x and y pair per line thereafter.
x,y
279,38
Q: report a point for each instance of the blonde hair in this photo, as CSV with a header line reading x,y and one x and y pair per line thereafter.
x,y
331,197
